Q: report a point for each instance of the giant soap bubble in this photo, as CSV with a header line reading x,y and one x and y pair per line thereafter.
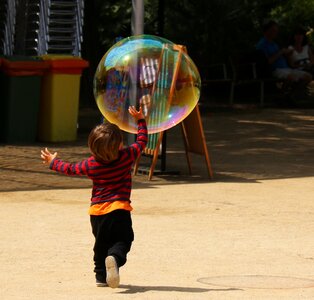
x,y
151,72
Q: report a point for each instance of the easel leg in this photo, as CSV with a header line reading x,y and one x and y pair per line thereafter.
x,y
209,166
187,153
193,133
188,158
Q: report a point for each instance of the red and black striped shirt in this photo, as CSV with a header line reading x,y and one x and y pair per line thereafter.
x,y
112,181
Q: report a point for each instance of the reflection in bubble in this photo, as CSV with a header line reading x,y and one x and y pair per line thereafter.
x,y
150,72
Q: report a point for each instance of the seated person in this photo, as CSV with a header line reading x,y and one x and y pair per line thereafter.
x,y
301,56
276,57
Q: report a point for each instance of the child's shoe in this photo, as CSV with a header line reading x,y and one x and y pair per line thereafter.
x,y
101,280
113,278
101,283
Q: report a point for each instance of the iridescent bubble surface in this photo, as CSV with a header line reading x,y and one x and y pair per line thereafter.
x,y
151,72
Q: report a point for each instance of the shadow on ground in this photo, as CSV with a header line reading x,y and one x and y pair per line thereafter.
x,y
133,289
244,145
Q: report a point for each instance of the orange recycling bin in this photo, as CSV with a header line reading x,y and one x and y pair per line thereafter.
x,y
60,98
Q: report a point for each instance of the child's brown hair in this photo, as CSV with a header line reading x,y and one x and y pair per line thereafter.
x,y
104,142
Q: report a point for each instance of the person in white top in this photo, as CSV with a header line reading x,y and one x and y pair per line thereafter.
x,y
301,56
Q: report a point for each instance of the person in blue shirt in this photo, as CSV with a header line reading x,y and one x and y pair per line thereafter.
x,y
276,57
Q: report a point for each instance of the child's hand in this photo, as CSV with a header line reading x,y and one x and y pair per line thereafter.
x,y
138,115
47,156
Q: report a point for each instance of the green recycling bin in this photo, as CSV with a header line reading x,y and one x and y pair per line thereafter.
x,y
20,86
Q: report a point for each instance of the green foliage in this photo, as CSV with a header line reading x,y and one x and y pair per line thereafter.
x,y
292,14
212,30
113,18
310,36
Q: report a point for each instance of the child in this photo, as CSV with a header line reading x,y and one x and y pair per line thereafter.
x,y
109,168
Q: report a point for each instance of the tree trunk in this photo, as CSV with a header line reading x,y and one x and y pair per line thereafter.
x,y
161,17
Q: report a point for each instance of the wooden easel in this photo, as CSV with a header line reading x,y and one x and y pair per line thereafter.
x,y
192,128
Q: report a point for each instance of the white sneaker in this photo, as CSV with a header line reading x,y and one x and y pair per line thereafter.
x,y
113,278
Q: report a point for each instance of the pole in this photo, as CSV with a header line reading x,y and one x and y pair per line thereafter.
x,y
137,27
137,22
160,31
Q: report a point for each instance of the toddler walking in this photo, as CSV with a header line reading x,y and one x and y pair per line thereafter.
x,y
109,168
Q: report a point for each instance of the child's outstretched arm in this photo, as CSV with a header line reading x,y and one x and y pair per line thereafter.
x,y
142,135
136,114
47,156
60,166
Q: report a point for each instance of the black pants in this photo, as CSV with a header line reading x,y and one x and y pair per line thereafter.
x,y
113,236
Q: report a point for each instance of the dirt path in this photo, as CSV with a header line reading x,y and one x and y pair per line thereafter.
x,y
183,233
252,227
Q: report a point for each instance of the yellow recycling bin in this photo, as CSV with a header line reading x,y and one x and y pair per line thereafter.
x,y
59,103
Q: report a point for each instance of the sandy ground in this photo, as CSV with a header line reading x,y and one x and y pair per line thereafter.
x,y
183,233
246,235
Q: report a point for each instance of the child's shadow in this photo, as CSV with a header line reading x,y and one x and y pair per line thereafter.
x,y
133,289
